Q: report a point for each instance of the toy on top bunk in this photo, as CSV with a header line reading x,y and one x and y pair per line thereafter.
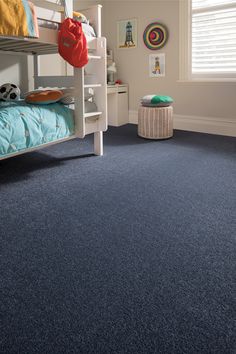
x,y
78,16
86,26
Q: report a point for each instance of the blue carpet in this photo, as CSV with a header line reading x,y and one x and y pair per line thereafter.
x,y
132,252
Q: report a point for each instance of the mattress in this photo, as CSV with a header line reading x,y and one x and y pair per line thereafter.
x,y
25,125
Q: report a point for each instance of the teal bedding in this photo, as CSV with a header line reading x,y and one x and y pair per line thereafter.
x,y
24,126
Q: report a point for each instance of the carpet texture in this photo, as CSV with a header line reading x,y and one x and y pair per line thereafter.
x,y
133,252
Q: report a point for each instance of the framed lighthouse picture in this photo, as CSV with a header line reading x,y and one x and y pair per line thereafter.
x,y
127,33
157,65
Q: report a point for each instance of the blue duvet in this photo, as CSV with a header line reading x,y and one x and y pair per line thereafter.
x,y
25,125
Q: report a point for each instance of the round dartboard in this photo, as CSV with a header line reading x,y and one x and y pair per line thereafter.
x,y
155,36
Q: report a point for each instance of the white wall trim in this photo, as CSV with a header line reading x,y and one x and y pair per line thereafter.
x,y
133,117
208,125
185,34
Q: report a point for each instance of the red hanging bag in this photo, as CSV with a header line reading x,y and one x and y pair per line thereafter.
x,y
72,43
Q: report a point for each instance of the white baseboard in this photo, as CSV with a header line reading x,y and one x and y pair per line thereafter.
x,y
133,117
208,125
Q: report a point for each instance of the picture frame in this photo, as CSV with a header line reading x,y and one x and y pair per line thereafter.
x,y
157,65
127,37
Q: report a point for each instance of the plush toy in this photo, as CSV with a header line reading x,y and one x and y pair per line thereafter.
x,y
9,92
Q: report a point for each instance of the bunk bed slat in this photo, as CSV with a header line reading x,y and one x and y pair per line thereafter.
x,y
27,47
34,47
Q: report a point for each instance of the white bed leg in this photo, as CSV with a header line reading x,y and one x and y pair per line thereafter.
x,y
98,143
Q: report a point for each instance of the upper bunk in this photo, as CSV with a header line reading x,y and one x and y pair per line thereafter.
x,y
49,16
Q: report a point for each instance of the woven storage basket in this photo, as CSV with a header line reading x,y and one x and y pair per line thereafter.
x,y
155,122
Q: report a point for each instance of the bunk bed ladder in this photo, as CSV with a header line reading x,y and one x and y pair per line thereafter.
x,y
85,123
80,119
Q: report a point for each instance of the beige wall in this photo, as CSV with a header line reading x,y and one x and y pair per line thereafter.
x,y
13,68
191,99
195,99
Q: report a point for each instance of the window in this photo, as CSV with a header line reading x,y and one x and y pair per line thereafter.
x,y
208,50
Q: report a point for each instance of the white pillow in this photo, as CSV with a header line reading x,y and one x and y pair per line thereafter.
x,y
68,95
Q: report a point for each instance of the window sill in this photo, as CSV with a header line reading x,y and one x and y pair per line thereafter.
x,y
201,81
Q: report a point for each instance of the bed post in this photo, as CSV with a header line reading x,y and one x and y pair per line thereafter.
x,y
68,8
98,143
36,70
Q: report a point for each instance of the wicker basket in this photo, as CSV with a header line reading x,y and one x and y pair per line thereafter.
x,y
155,122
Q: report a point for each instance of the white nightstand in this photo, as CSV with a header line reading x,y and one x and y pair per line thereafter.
x,y
117,104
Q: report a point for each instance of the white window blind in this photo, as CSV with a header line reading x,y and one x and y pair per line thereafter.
x,y
214,37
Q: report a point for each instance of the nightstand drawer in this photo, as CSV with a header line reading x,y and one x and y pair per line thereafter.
x,y
117,103
111,90
122,89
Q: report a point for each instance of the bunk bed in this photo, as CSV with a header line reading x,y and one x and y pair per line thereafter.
x,y
91,76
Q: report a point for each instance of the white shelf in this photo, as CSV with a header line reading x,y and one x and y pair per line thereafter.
x,y
92,114
94,57
92,85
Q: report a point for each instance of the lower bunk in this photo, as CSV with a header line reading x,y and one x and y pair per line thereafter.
x,y
25,127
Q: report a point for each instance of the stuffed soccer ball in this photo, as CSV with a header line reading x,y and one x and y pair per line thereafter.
x,y
9,92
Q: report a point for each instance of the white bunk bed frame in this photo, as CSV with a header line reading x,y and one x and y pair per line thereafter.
x,y
85,123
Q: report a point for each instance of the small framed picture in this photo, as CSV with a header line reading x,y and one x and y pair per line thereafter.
x,y
127,34
157,65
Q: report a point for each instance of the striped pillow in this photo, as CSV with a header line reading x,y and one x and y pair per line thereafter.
x,y
156,101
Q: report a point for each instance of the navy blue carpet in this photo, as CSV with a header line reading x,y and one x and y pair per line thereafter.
x,y
132,252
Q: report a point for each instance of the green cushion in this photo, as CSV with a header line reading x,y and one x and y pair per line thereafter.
x,y
156,100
